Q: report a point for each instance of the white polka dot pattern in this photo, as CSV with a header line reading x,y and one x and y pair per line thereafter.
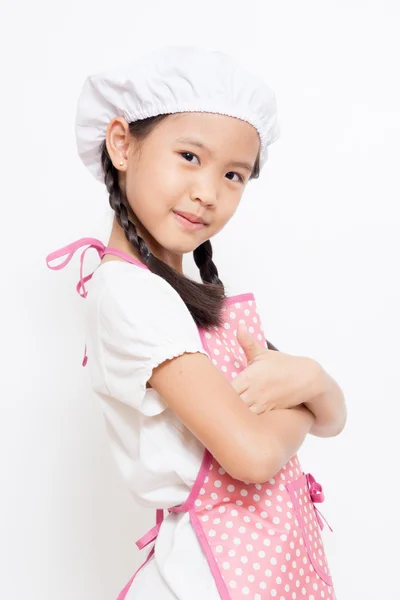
x,y
305,512
264,538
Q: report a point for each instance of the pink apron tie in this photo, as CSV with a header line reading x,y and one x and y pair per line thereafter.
x,y
317,495
69,252
151,535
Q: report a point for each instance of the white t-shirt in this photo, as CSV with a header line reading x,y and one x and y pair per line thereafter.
x,y
135,321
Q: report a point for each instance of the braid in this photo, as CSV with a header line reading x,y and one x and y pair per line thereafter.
x,y
120,209
203,258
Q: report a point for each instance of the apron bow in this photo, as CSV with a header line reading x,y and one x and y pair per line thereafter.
x,y
317,495
68,252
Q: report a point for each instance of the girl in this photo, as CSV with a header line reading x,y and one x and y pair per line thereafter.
x,y
204,421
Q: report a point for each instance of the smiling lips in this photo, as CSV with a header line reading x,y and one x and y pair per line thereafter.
x,y
191,217
190,221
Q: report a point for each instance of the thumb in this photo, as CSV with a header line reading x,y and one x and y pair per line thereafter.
x,y
250,346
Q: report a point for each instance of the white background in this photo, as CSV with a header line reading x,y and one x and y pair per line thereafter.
x,y
316,238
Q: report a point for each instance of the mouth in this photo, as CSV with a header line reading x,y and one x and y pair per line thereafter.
x,y
189,221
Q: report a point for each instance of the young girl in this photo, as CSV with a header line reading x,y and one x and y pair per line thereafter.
x,y
204,421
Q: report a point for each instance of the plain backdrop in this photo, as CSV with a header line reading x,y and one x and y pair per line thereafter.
x,y
316,238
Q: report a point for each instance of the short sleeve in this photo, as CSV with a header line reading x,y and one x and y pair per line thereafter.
x,y
142,322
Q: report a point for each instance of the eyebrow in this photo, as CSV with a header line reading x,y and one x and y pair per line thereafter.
x,y
194,142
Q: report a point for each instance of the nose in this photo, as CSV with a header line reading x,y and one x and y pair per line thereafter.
x,y
204,190
205,194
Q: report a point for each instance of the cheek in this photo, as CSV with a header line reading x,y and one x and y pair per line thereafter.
x,y
154,192
166,181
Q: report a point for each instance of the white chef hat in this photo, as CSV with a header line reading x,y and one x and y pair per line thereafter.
x,y
172,79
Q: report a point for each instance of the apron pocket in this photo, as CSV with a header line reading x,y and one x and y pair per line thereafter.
x,y
309,522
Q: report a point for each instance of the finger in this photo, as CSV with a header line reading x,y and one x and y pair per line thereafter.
x,y
247,399
250,346
240,383
258,410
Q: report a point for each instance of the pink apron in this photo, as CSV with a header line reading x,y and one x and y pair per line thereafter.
x,y
261,541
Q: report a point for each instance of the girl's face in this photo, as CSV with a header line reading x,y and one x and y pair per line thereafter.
x,y
172,174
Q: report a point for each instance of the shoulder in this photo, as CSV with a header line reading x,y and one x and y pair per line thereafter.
x,y
140,296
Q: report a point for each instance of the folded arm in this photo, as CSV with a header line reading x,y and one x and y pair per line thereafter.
x,y
327,403
286,430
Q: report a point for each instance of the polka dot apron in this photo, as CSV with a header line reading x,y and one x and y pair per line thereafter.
x,y
261,541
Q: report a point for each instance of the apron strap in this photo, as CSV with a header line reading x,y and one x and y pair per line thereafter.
x,y
68,252
151,535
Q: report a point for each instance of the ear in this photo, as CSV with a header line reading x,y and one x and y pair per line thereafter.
x,y
117,142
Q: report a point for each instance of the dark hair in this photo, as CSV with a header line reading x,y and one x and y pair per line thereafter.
x,y
204,300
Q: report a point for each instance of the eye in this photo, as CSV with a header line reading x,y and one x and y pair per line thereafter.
x,y
188,153
241,178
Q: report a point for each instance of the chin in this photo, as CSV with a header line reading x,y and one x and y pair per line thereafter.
x,y
174,243
181,248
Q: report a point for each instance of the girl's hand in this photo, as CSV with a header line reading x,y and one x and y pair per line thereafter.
x,y
273,380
